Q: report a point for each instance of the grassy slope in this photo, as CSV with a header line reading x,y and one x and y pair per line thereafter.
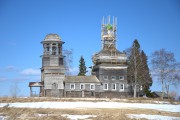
x,y
55,114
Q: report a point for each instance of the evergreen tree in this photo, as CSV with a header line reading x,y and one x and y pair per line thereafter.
x,y
82,67
146,79
138,72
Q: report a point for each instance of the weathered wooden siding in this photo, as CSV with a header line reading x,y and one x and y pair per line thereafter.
x,y
50,79
50,93
77,87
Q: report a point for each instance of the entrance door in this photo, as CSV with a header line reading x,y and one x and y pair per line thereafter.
x,y
55,91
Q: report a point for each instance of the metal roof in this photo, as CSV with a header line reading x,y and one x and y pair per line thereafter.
x,y
81,79
52,37
36,84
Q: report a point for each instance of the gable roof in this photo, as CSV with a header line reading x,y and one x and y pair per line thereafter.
x,y
36,84
81,79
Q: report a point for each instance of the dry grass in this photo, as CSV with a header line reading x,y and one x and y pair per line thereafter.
x,y
55,114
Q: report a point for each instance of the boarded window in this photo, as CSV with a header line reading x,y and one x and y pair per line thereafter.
x,y
105,77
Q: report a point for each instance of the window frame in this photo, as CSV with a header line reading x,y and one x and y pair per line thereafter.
x,y
112,77
104,86
112,85
83,86
92,85
73,85
122,77
104,77
120,87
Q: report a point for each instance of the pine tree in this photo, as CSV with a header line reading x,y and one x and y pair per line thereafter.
x,y
146,79
82,67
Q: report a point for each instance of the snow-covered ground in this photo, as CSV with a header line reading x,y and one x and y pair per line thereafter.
x,y
72,105
3,117
152,117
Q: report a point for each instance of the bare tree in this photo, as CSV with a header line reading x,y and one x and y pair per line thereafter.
x,y
14,90
173,77
163,64
173,94
68,60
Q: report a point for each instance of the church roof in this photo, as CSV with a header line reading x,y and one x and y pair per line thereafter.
x,y
36,84
81,79
109,52
52,37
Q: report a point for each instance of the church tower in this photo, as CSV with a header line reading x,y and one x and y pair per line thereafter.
x,y
110,65
52,71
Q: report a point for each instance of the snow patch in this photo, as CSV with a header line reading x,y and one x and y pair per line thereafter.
x,y
41,115
3,117
152,117
76,117
73,105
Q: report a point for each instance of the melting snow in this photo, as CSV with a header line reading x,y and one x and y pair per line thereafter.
x,y
72,105
3,118
152,117
76,117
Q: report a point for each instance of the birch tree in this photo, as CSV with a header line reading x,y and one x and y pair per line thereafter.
x,y
163,64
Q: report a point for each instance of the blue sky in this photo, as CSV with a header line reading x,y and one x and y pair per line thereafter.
x,y
25,23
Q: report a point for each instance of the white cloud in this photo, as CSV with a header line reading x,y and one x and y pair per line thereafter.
x,y
30,72
11,68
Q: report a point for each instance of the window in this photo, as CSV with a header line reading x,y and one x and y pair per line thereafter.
x,y
121,87
113,86
82,86
105,86
141,88
105,77
113,77
72,86
47,49
54,86
121,77
92,87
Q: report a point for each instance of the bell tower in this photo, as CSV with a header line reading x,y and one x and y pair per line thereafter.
x,y
52,71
